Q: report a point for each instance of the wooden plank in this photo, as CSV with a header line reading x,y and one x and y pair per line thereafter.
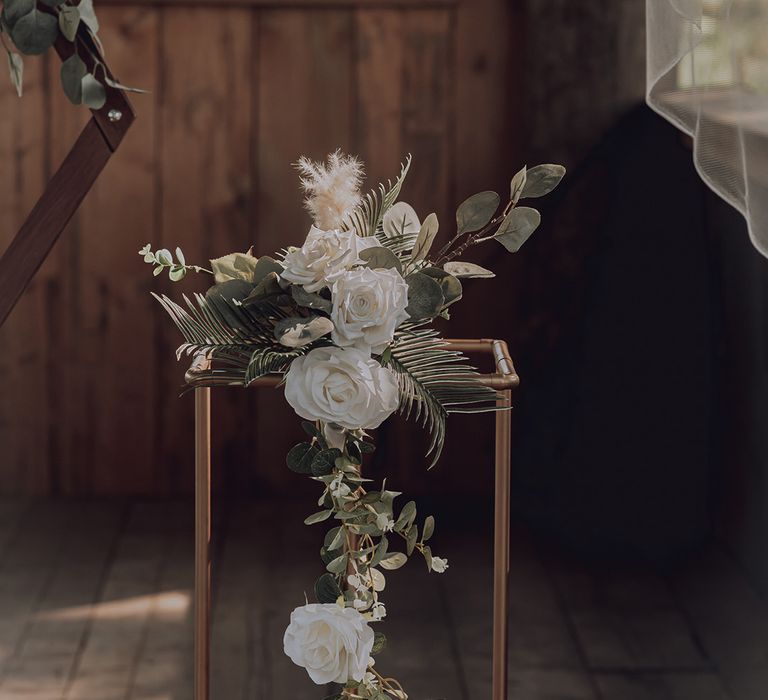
x,y
379,79
47,649
23,421
729,619
542,654
626,619
305,107
120,620
205,186
426,105
674,686
294,4
107,422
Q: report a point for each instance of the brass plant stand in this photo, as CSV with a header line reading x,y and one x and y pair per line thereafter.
x,y
504,379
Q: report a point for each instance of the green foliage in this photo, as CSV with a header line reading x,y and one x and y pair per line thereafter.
x,y
300,457
476,211
542,179
435,381
240,338
327,589
517,228
235,266
366,218
381,258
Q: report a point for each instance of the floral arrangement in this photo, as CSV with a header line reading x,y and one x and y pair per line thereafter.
x,y
346,318
34,27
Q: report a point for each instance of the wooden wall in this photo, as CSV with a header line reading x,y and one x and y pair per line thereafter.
x,y
88,401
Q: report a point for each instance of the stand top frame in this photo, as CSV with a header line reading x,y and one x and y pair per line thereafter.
x,y
504,378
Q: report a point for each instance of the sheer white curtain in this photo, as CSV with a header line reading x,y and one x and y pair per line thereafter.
x,y
708,74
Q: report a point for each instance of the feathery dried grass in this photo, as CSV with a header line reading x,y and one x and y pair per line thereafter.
x,y
333,188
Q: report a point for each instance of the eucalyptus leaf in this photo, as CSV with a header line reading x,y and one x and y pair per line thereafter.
x,y
35,32
429,528
14,10
393,560
235,266
380,258
327,589
467,270
177,273
299,458
16,68
517,184
379,643
337,565
69,21
94,94
264,265
309,300
71,73
449,285
400,220
425,296
88,15
296,332
269,287
426,238
318,517
412,538
542,179
407,515
324,461
517,227
476,211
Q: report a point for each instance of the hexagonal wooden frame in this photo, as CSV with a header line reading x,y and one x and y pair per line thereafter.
x,y
69,185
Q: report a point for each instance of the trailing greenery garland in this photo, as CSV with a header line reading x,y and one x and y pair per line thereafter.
x,y
346,318
34,27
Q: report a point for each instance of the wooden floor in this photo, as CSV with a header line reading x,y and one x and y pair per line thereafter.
x,y
95,605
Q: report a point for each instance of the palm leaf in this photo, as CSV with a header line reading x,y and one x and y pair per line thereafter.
x,y
238,340
365,219
435,381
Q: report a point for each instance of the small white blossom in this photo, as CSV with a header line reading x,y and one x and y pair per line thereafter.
x,y
385,523
378,611
439,565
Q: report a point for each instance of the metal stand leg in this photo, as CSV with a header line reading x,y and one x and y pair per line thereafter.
x,y
501,546
202,541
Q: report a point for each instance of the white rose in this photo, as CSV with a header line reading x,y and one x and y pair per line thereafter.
x,y
367,307
323,254
343,386
333,643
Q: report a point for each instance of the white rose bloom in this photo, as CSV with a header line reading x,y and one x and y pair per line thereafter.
x,y
332,643
323,254
367,307
343,386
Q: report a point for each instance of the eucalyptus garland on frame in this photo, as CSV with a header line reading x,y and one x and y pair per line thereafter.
x,y
346,318
34,27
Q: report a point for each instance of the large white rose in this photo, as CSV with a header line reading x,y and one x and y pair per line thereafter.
x,y
323,254
343,386
333,643
367,307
